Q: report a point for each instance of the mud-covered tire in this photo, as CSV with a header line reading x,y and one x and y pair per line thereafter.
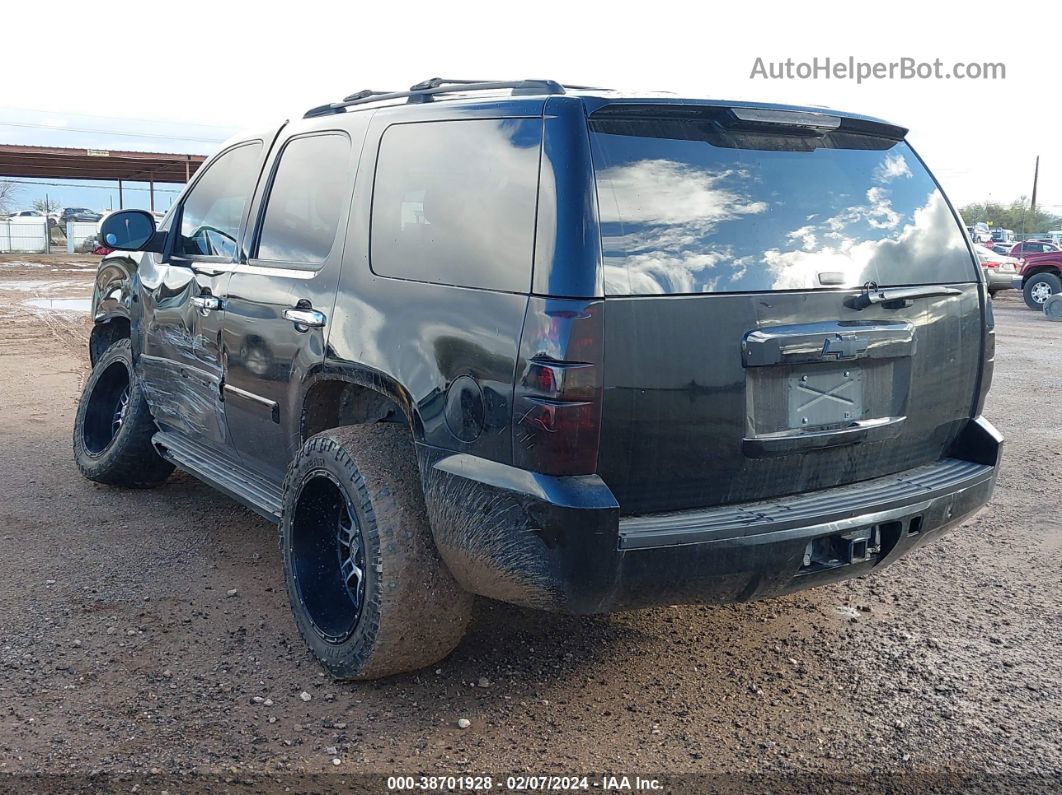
x,y
1039,287
113,426
404,611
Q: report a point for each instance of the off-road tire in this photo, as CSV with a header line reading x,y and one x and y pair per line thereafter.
x,y
1031,284
412,612
124,456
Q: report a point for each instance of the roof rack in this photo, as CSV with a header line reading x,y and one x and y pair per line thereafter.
x,y
427,90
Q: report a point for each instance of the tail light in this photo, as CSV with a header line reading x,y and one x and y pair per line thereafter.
x,y
557,400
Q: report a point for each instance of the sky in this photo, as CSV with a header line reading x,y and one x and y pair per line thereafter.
x,y
199,71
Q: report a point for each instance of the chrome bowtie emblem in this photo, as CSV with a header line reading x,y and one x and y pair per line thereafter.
x,y
843,346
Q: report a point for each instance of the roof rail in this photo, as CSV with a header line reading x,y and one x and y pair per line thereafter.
x,y
427,90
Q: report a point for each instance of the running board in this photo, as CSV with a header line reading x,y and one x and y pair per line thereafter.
x,y
223,474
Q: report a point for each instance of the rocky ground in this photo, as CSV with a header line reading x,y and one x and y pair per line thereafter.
x,y
147,634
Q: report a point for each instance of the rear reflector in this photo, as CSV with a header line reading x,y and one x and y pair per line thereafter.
x,y
557,401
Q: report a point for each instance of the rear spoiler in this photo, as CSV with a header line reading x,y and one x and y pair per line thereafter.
x,y
755,118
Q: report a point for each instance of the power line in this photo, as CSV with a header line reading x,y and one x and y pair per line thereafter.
x,y
111,132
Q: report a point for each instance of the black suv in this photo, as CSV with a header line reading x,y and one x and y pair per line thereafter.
x,y
566,348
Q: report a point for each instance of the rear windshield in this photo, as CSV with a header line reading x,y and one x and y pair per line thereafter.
x,y
689,207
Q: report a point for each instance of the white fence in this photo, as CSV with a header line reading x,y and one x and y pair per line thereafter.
x,y
24,235
77,232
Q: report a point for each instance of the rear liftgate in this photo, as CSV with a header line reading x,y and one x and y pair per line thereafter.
x,y
820,385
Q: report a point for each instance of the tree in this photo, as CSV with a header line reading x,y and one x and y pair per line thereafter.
x,y
46,206
1017,216
7,196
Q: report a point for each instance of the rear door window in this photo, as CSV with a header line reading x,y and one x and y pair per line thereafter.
x,y
687,206
306,200
454,202
213,210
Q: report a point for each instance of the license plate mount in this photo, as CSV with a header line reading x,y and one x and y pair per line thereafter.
x,y
824,396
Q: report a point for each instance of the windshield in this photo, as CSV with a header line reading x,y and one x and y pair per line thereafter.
x,y
688,207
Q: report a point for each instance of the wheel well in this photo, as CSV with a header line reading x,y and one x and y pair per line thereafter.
x,y
334,403
105,334
1036,271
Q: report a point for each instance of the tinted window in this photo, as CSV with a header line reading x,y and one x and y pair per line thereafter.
x,y
454,202
211,214
306,199
688,207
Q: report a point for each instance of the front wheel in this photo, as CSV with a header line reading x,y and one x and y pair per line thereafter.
x,y
371,596
1039,287
113,426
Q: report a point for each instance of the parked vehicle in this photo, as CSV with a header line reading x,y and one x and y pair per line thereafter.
x,y
1003,235
999,248
999,270
570,349
980,232
52,217
78,214
1041,277
1031,247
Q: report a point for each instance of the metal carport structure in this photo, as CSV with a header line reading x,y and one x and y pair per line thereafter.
x,y
59,162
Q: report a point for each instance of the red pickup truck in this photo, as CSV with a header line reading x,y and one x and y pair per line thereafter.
x,y
1041,276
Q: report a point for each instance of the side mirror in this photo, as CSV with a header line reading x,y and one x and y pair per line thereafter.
x,y
131,230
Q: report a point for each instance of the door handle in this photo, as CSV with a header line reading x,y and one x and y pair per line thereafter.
x,y
206,302
305,318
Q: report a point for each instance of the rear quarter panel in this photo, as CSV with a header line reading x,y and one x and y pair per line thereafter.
x,y
424,336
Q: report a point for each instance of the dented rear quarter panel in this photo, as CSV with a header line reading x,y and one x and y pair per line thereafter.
x,y
421,336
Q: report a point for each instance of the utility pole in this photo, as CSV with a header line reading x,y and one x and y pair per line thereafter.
x,y
1036,179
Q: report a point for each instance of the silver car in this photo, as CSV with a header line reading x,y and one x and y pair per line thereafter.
x,y
999,269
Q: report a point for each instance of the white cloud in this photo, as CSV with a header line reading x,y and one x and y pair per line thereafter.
x,y
806,235
878,213
913,255
670,208
892,167
663,192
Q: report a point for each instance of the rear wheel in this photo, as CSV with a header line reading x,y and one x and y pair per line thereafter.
x,y
1039,287
371,596
113,426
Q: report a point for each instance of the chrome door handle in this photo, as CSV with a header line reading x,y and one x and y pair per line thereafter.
x,y
307,318
206,302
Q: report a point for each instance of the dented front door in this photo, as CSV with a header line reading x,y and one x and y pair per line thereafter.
x,y
183,295
181,361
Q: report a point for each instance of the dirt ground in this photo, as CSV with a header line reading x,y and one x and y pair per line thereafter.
x,y
122,656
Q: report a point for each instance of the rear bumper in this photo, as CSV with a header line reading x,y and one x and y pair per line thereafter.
x,y
558,543
1000,280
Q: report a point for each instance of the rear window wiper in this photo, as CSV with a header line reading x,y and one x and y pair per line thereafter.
x,y
892,297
